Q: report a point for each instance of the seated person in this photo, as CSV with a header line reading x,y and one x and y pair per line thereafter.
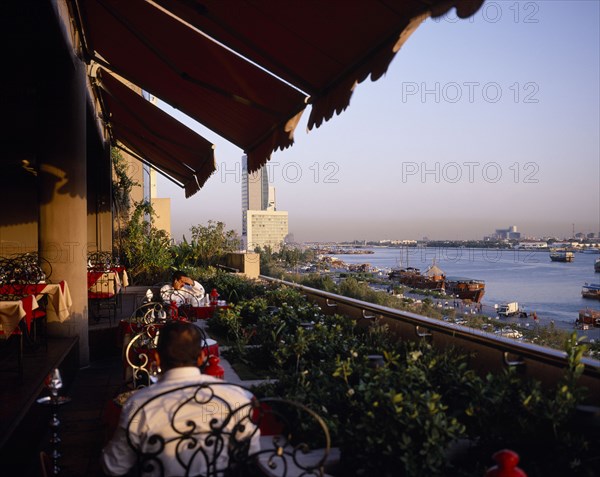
x,y
182,290
195,427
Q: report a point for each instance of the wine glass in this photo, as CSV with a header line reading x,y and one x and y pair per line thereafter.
x,y
54,381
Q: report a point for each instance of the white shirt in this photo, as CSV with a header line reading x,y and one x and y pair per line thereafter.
x,y
154,417
186,295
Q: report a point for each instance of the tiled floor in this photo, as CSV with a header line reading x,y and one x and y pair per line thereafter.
x,y
83,426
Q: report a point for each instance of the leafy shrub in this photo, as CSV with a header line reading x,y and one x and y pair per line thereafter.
x,y
507,410
208,245
146,249
405,417
231,287
318,281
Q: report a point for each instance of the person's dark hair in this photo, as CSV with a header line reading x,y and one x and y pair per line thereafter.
x,y
178,275
179,344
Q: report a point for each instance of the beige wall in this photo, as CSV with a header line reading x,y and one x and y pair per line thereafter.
x,y
162,207
247,263
15,239
135,171
19,214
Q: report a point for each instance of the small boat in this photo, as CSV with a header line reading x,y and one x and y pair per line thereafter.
x,y
588,318
595,250
561,255
591,290
597,265
465,288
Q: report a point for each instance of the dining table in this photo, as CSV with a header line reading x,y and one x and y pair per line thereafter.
x,y
59,301
105,283
204,311
13,311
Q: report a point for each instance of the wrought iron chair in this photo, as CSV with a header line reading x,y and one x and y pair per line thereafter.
x,y
214,429
104,295
142,333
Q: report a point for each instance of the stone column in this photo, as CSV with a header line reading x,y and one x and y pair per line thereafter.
x,y
63,191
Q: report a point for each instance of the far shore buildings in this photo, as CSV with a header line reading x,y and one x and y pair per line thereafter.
x,y
505,234
262,224
532,244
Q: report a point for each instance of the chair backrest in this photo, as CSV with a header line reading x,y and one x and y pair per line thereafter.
x,y
22,270
105,287
214,429
144,326
152,312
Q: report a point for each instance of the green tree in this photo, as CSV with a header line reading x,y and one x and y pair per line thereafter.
x,y
146,249
122,185
208,246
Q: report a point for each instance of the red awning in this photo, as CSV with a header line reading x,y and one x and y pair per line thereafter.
x,y
230,96
315,50
321,47
149,132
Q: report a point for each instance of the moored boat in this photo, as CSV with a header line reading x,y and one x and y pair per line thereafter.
x,y
591,290
465,288
597,265
431,279
561,255
588,318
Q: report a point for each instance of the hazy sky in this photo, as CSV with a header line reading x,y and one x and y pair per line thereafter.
x,y
478,124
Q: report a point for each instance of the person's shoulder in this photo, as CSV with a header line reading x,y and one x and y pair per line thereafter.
x,y
137,399
228,388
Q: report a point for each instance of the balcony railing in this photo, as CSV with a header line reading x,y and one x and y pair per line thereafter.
x,y
491,353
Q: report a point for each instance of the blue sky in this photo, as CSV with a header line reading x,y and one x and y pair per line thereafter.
x,y
478,124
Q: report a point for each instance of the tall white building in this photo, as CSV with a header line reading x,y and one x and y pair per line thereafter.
x,y
262,224
266,228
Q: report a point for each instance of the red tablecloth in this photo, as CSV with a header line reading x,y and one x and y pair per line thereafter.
x,y
203,312
27,288
102,285
59,298
94,274
93,277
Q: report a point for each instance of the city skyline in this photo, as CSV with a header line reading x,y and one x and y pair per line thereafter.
x,y
478,123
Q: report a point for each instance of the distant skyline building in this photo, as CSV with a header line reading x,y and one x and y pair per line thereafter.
x,y
255,191
505,234
262,224
271,199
